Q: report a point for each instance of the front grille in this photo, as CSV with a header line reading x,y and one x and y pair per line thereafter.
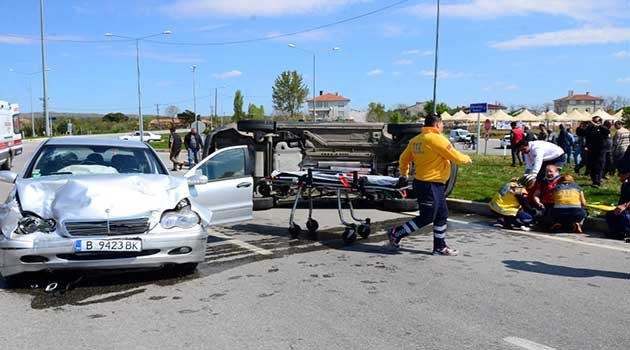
x,y
106,255
107,227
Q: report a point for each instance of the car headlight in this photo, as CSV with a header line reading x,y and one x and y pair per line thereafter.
x,y
182,216
31,223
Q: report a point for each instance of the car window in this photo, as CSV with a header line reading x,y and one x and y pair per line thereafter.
x,y
93,160
224,165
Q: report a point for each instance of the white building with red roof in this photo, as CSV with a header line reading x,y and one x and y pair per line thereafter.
x,y
330,106
585,103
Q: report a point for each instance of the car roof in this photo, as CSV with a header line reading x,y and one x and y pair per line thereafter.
x,y
95,141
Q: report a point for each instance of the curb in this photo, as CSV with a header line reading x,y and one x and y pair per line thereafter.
x,y
479,208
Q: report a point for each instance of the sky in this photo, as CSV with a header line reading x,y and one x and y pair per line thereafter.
x,y
516,52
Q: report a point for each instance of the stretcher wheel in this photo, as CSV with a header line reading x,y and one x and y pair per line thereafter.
x,y
294,231
312,225
364,230
349,234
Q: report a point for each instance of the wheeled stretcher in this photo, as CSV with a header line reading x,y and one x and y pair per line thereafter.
x,y
312,184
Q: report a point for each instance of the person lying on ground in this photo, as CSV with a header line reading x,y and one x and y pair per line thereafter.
x,y
543,194
511,205
568,208
539,154
619,219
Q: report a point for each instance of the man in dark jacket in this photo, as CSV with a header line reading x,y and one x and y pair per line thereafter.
x,y
619,219
528,134
193,144
609,167
564,142
174,147
596,136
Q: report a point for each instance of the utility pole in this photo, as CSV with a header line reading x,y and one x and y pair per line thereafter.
x,y
194,68
43,40
437,46
157,111
216,91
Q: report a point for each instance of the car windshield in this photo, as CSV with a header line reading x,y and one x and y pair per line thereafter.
x,y
93,160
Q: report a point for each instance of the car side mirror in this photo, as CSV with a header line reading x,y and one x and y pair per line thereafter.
x,y
197,180
8,176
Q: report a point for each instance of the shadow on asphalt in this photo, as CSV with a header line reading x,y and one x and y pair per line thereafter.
x,y
564,271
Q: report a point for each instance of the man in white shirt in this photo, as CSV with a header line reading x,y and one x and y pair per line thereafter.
x,y
539,154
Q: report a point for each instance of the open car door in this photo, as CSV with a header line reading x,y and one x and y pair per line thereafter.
x,y
229,191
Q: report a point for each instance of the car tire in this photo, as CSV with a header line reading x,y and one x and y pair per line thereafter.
x,y
185,269
450,184
404,129
263,203
7,164
256,125
401,205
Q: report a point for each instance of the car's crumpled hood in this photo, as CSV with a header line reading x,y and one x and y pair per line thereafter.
x,y
98,197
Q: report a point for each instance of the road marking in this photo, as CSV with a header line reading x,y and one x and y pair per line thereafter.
x,y
555,238
242,244
526,344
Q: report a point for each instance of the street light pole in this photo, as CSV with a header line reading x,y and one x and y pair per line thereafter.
x,y
30,92
44,82
437,46
194,68
137,40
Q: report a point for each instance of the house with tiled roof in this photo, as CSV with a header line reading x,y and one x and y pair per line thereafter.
x,y
585,103
330,106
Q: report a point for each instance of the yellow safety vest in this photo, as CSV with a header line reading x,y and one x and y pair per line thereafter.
x,y
505,201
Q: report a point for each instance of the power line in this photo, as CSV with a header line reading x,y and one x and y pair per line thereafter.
x,y
283,35
222,43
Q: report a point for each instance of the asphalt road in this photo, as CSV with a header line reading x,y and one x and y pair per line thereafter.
x,y
260,290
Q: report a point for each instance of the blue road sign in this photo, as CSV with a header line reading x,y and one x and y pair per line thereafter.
x,y
478,107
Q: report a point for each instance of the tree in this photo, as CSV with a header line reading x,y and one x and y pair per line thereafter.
x,y
376,112
441,108
254,112
396,118
289,92
187,116
171,111
115,117
238,105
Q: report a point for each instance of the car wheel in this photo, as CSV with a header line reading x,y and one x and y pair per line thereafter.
x,y
256,125
263,203
450,185
7,164
186,268
401,205
404,129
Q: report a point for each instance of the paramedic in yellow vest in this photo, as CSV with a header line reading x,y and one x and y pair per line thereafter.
x,y
431,154
511,204
568,208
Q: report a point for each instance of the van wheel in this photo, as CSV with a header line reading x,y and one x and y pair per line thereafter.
x,y
7,164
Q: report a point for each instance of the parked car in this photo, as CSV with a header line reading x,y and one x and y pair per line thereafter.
x,y
460,135
147,136
87,203
368,148
506,142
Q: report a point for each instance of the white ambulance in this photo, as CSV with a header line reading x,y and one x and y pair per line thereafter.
x,y
10,136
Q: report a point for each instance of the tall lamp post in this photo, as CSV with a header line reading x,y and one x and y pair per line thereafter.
x,y
137,40
193,68
216,94
44,81
293,46
30,92
437,46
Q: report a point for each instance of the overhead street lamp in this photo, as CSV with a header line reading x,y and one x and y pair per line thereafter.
x,y
137,40
193,68
293,46
30,92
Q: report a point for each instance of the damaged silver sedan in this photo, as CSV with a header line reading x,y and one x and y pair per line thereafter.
x,y
86,203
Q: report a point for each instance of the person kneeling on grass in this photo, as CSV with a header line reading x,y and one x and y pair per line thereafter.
x,y
568,208
511,203
619,219
543,194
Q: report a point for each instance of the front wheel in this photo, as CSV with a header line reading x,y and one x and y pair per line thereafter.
x,y
7,164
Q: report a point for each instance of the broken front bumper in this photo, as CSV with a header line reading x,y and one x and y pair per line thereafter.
x,y
30,255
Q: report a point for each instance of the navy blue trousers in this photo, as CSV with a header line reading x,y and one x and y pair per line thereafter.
x,y
521,218
619,225
433,209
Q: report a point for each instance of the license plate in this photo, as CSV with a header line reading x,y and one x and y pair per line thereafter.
x,y
107,245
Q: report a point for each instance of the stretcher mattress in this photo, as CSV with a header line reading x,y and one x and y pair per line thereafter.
x,y
338,179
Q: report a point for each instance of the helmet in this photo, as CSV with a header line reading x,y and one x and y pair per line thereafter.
x,y
527,180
